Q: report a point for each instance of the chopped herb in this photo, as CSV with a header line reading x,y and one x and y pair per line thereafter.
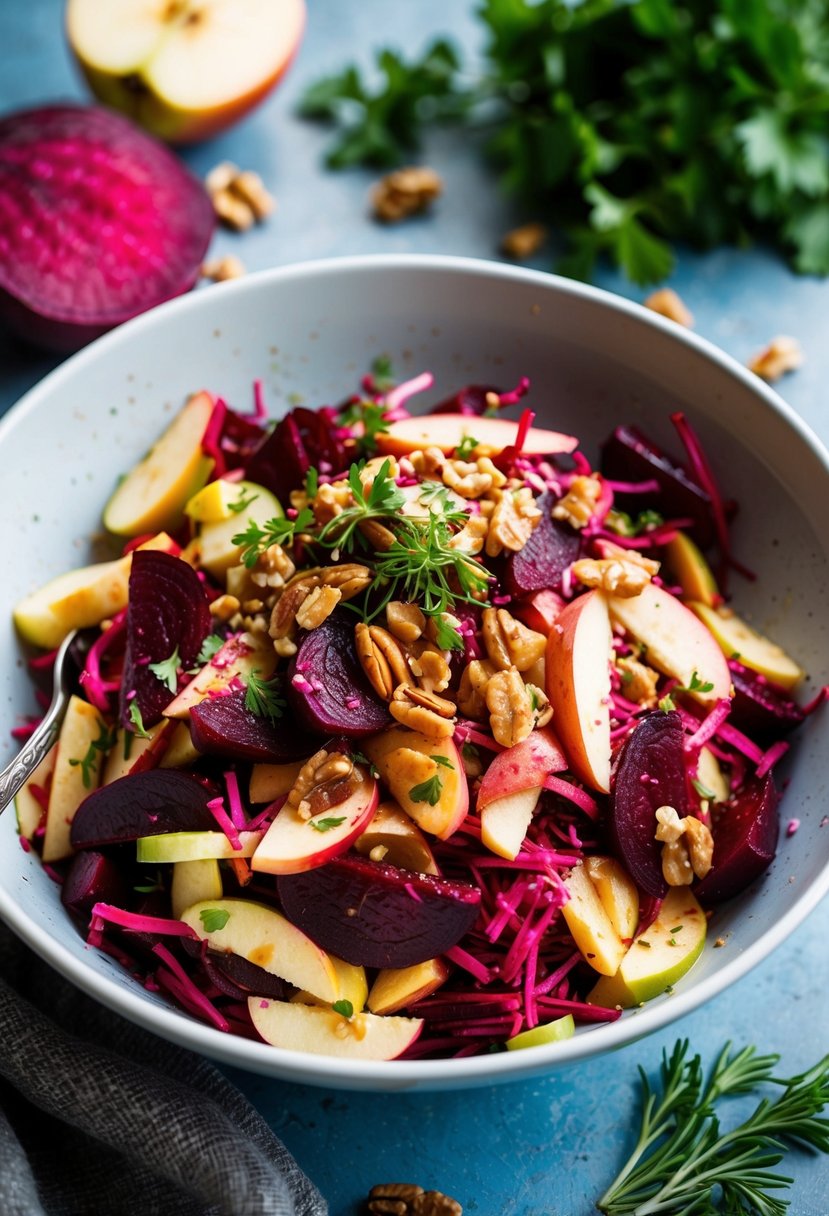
x,y
149,886
344,1007
437,497
428,791
262,696
667,704
702,790
533,699
382,501
277,531
137,721
469,751
97,748
677,929
696,685
167,670
444,761
645,945
382,373
466,447
242,502
214,919
359,758
672,941
325,825
625,676
368,420
446,635
211,645
312,483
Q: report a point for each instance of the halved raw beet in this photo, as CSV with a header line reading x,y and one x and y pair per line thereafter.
x,y
222,726
98,222
553,546
303,438
745,841
92,878
628,455
374,915
142,804
327,690
167,611
762,709
650,774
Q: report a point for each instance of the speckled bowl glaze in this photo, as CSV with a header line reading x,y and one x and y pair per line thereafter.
x,y
309,332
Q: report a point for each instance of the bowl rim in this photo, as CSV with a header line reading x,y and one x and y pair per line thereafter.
x,y
179,1027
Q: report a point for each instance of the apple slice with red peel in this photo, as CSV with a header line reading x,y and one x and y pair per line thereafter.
x,y
448,431
310,1029
405,760
539,610
578,685
398,839
511,788
396,989
678,643
184,70
236,658
293,844
504,821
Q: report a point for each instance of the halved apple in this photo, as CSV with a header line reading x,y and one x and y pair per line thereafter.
x,y
194,882
193,846
76,772
270,781
187,69
617,892
311,1029
448,431
27,808
400,839
263,936
153,494
237,657
678,643
737,639
550,1032
594,935
397,987
658,957
405,760
578,685
293,844
216,547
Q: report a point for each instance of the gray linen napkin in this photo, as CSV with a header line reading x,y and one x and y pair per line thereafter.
x,y
99,1118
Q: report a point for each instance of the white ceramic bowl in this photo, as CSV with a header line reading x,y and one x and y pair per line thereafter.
x,y
594,360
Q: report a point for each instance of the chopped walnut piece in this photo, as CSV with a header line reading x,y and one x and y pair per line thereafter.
x,y
782,355
322,767
472,689
541,707
669,825
700,845
471,537
687,847
425,712
510,707
522,242
221,270
349,579
676,864
239,197
405,621
330,501
638,681
668,304
509,643
512,521
616,576
378,535
428,463
224,607
317,607
466,479
373,662
405,192
577,505
283,617
431,671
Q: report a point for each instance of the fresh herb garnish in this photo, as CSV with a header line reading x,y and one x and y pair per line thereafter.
x,y
443,761
167,670
446,635
277,531
695,685
702,790
421,567
97,748
466,447
369,420
344,1007
211,645
312,482
262,696
242,502
325,825
428,791
684,1162
137,721
666,704
382,500
147,887
214,919
625,525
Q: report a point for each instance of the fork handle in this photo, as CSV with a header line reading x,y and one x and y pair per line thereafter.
x,y
35,749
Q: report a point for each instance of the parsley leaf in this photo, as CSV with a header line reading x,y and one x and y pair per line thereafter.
x,y
214,919
262,696
211,645
427,791
96,750
344,1007
137,721
443,761
702,790
466,447
242,502
167,670
325,825
666,704
695,685
277,531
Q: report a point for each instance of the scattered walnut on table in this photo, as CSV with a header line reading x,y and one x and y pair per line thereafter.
x,y
522,242
782,355
405,192
240,197
668,304
222,270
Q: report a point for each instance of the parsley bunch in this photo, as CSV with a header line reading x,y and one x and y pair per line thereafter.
x,y
627,125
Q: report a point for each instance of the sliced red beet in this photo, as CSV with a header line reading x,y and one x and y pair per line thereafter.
x,y
762,709
303,438
222,726
650,774
746,831
98,222
92,877
142,804
168,612
470,400
628,455
234,970
326,688
375,915
553,546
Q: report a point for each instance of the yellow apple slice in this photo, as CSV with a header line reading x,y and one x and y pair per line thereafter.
x,y
404,759
711,777
270,781
193,846
129,751
352,982
263,936
214,502
677,642
398,841
293,844
324,1032
76,773
738,640
180,751
617,892
194,882
27,808
153,494
448,431
397,987
578,685
594,935
239,656
685,560
218,552
504,821
658,957
550,1032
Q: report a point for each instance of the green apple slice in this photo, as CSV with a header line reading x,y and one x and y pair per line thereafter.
x,y
309,1028
617,892
685,560
216,547
738,640
193,846
153,494
550,1032
195,882
659,957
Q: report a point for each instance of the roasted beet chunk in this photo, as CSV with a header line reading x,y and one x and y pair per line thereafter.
x,y
746,829
223,726
303,438
326,688
553,546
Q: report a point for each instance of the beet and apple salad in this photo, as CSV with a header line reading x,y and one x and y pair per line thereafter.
x,y
405,736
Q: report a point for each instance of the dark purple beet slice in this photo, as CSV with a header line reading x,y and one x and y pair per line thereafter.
x,y
374,915
221,726
469,400
629,456
235,971
650,774
92,877
326,688
553,546
762,709
142,804
303,438
745,841
168,610
98,222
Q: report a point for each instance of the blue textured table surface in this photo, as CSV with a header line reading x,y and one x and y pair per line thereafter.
x,y
549,1146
